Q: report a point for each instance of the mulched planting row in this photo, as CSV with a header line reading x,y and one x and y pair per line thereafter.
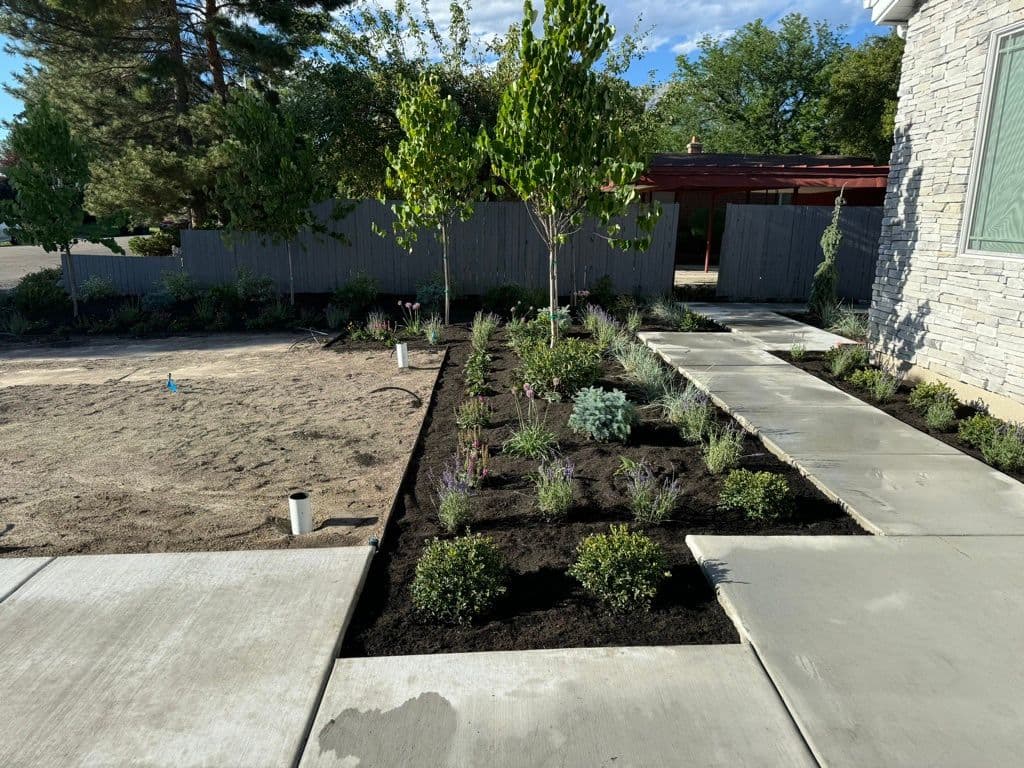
x,y
544,607
898,407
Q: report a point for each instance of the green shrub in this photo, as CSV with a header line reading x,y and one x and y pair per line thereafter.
x,y
180,285
458,580
634,319
254,290
602,292
271,316
555,483
128,315
506,300
41,295
158,244
927,392
650,499
474,414
940,416
762,495
335,316
602,415
532,439
845,359
356,297
620,568
524,333
430,295
879,385
680,317
97,288
723,450
477,365
1005,448
563,319
979,429
15,323
158,300
205,310
561,370
690,411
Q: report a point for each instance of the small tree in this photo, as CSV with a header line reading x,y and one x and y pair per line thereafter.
x,y
825,284
559,142
268,178
435,171
49,178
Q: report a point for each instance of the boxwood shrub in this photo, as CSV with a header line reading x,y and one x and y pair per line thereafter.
x,y
458,579
621,568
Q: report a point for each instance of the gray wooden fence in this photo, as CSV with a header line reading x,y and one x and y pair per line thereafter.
x,y
770,252
130,275
497,246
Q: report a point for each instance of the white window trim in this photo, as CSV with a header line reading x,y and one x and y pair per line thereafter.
x,y
980,139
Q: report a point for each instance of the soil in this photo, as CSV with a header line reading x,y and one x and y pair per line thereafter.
x,y
544,607
899,407
98,456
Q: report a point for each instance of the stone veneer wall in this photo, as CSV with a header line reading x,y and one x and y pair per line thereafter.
x,y
948,315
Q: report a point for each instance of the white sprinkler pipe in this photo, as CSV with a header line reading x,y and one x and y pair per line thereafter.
x,y
301,511
402,350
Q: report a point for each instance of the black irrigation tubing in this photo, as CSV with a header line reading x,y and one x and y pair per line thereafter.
x,y
416,398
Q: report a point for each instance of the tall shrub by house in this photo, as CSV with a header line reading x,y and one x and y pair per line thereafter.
x,y
825,284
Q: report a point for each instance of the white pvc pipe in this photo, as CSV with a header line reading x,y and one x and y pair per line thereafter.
x,y
301,512
402,350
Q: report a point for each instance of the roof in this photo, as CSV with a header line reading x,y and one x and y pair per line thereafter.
x,y
668,171
891,11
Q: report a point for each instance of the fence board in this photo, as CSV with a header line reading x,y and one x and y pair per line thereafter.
x,y
770,252
498,245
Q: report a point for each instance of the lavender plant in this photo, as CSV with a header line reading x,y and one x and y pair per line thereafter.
x,y
453,492
650,499
555,483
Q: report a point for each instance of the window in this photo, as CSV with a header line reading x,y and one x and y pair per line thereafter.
x,y
997,202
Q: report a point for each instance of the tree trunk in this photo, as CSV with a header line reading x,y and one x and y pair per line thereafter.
x,y
447,276
553,282
72,280
180,72
291,276
213,57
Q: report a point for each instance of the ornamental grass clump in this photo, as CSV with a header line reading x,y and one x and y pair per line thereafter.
x,y
459,579
555,482
679,316
690,411
844,359
650,499
433,330
879,385
761,495
645,370
533,438
484,326
453,493
602,415
475,413
723,450
847,322
621,568
798,351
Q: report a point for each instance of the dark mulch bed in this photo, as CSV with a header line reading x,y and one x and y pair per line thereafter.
x,y
899,407
544,607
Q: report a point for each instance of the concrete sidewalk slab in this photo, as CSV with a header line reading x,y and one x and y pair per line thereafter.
x,y
806,431
577,708
186,659
707,359
954,495
15,571
745,388
772,330
887,651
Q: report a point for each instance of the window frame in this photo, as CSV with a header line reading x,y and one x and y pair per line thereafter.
x,y
981,136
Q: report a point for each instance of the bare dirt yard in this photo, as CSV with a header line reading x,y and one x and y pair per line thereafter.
x,y
96,455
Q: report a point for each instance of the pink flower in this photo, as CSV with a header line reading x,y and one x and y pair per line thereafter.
x,y
399,302
416,306
408,305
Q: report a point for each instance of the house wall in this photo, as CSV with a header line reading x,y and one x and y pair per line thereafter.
x,y
937,312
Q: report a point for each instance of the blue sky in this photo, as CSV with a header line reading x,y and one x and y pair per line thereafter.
x,y
675,26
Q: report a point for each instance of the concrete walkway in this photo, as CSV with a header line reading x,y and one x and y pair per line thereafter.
x,y
887,651
578,708
892,478
205,658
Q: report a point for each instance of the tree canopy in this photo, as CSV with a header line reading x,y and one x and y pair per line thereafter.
x,y
794,88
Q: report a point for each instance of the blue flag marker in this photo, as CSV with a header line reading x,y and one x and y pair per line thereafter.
x,y
172,385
